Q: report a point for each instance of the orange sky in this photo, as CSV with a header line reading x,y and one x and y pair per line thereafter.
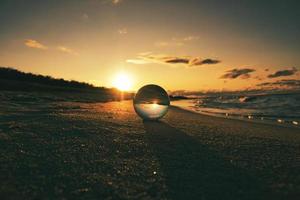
x,y
93,41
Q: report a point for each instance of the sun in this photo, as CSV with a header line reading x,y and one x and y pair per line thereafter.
x,y
123,82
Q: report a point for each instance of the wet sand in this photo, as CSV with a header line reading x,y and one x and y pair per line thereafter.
x,y
104,151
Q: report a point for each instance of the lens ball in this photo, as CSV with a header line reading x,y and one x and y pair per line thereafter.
x,y
151,102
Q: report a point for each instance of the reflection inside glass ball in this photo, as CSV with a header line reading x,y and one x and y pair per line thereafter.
x,y
151,102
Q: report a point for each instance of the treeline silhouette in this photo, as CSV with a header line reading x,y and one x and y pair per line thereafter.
x,y
11,74
14,80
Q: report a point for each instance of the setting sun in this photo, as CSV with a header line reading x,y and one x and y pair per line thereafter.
x,y
123,82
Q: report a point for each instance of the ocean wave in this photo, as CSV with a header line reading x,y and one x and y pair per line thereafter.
x,y
268,107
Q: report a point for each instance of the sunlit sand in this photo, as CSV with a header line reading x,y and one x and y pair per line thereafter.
x,y
77,146
151,110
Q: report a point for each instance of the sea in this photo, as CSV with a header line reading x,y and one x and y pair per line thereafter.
x,y
279,108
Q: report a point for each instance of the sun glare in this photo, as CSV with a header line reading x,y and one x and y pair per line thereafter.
x,y
154,106
122,82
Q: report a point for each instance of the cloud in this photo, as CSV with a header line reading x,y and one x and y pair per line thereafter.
x,y
176,42
199,61
286,72
115,2
235,73
122,31
85,16
168,44
67,50
145,53
286,83
191,38
176,60
138,61
172,60
35,44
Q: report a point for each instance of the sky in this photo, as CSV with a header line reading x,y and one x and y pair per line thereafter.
x,y
193,45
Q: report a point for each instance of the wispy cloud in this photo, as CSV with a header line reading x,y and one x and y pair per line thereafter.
x,y
113,2
35,44
172,60
116,1
169,44
122,31
243,73
191,38
286,83
175,60
138,61
199,61
67,50
85,16
176,42
286,72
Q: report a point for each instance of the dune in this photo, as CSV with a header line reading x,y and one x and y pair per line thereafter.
x,y
59,149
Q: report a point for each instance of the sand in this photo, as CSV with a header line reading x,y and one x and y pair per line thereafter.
x,y
71,150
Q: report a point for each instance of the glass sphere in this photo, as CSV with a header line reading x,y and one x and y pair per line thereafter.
x,y
151,102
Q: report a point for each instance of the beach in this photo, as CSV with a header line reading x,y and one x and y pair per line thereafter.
x,y
72,150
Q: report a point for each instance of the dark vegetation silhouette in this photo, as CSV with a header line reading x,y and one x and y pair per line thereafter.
x,y
14,80
13,75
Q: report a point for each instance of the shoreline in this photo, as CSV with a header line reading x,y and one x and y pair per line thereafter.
x,y
240,117
273,130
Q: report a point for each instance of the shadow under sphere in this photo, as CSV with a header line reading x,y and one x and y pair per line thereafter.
x,y
193,171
